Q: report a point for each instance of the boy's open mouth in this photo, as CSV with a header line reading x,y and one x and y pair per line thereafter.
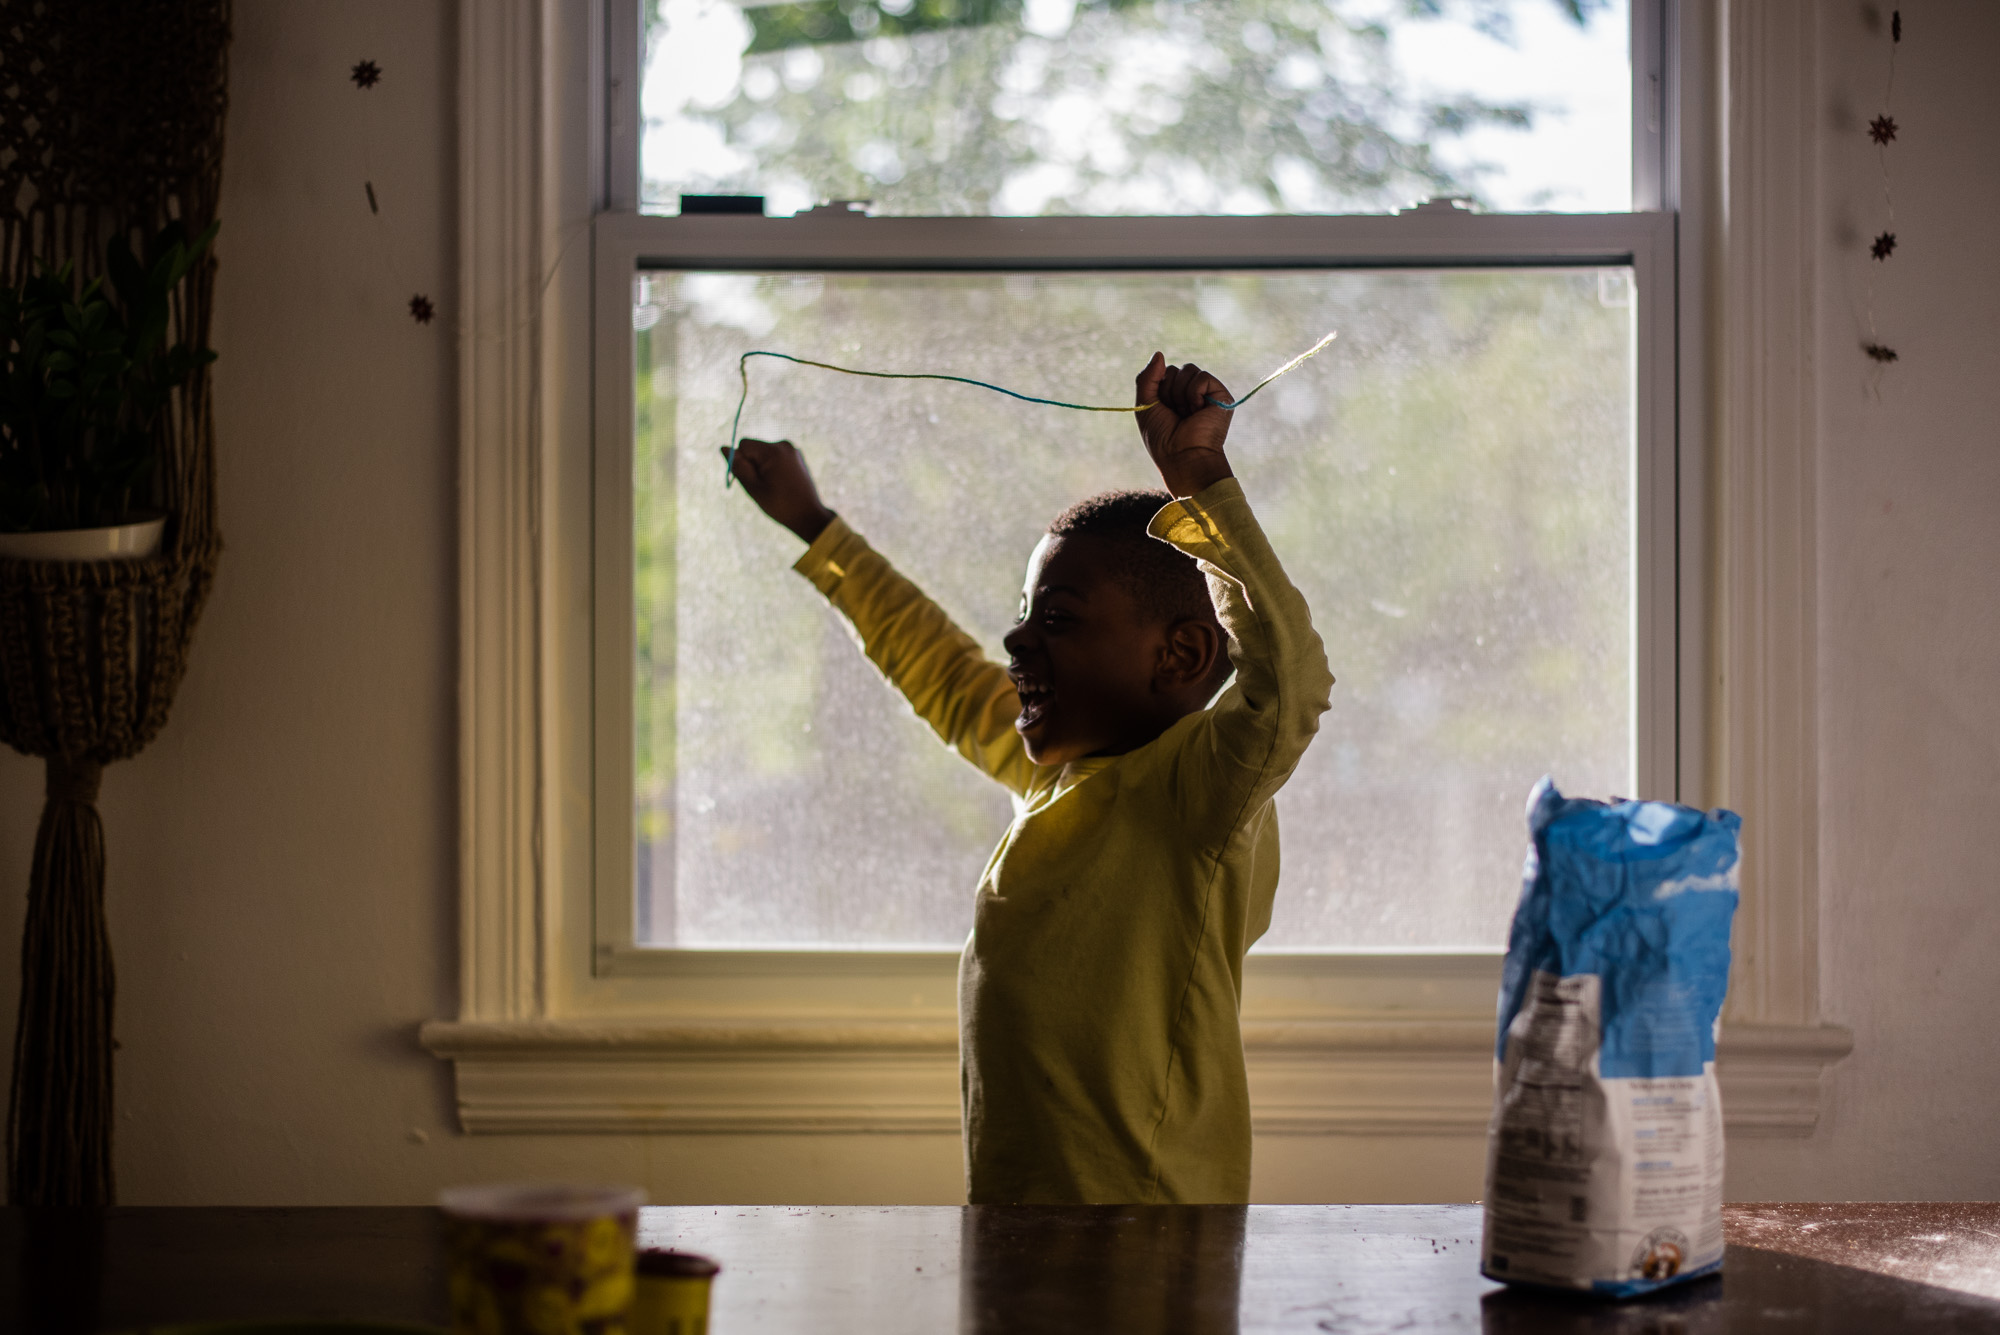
x,y
1036,697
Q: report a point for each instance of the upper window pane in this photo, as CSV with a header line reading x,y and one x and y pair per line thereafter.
x,y
1024,107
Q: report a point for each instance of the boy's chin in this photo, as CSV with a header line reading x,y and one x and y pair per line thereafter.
x,y
1050,752
1045,750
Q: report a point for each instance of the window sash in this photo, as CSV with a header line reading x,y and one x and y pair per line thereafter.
x,y
617,39
1432,236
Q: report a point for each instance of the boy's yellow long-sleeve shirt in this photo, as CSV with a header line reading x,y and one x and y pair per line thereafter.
x,y
1100,1054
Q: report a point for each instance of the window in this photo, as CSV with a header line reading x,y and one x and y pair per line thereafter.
x,y
1457,484
566,1022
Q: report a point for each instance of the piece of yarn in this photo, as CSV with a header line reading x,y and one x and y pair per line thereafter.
x,y
743,372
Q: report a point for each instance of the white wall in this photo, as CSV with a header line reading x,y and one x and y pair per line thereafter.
x,y
282,860
1909,542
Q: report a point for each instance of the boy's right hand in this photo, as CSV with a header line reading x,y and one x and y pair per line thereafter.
x,y
774,473
1184,429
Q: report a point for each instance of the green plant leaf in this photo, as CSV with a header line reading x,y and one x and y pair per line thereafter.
x,y
84,377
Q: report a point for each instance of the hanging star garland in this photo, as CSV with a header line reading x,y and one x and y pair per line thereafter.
x,y
365,75
1882,130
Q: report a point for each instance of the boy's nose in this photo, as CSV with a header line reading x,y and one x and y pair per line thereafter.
x,y
1019,639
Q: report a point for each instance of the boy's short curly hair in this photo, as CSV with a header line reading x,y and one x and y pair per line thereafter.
x,y
1165,581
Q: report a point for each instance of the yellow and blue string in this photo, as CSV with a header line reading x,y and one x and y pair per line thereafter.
x,y
743,373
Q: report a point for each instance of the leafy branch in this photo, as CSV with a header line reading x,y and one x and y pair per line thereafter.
x,y
1123,106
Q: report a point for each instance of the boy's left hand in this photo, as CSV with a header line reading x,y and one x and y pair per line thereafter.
x,y
1183,431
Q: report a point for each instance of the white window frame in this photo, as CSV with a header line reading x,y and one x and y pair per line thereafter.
x,y
565,1025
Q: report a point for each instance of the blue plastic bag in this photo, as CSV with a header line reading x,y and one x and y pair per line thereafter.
x,y
1604,1155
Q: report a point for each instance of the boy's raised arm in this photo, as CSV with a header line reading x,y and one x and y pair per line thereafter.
x,y
1244,748
966,698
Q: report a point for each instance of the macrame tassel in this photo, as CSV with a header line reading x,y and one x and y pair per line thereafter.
x,y
59,1109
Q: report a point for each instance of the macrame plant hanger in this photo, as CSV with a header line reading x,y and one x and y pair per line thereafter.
x,y
111,117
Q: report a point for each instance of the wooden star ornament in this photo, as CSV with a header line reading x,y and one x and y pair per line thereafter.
x,y
1879,352
1884,246
366,74
1882,129
421,309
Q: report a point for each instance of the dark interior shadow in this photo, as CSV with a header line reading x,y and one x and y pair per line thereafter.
x,y
67,1272
57,1269
1101,1269
1757,1290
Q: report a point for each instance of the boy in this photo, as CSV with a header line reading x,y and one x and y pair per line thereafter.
x,y
1101,1060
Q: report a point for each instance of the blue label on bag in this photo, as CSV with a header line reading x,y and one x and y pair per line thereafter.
x,y
1641,895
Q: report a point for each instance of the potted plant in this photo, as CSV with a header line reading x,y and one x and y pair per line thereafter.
x,y
85,377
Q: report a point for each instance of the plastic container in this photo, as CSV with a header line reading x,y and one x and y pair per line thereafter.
x,y
673,1293
541,1259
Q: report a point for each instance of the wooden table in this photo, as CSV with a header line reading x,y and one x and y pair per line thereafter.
x,y
1338,1269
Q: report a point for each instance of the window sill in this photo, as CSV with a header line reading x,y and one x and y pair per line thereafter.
x,y
1308,1076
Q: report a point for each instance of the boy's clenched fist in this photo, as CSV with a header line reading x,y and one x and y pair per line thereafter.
x,y
775,475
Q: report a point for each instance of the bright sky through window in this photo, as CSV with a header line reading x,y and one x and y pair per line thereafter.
x,y
1028,107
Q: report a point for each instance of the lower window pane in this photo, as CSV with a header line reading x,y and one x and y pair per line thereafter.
x,y
1450,484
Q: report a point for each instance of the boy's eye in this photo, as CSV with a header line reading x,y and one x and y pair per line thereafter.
x,y
1021,613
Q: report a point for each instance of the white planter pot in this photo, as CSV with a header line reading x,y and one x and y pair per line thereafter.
x,y
120,542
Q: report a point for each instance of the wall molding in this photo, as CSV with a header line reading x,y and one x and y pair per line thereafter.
x,y
1772,1076
1767,679
501,232
817,1075
530,180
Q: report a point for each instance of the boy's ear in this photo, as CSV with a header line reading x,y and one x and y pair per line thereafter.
x,y
1188,656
